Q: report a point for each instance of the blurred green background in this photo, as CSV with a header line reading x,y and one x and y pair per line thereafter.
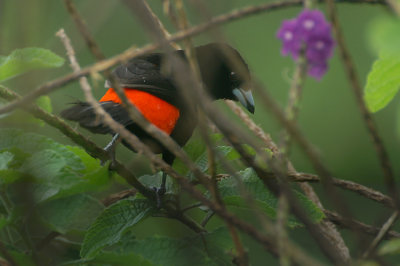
x,y
329,116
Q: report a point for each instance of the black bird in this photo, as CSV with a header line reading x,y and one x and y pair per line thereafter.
x,y
150,86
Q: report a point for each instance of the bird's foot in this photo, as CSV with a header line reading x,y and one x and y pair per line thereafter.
x,y
110,149
160,191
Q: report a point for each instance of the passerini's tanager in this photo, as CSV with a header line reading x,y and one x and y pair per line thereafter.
x,y
150,85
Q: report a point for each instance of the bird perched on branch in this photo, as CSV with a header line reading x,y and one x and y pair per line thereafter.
x,y
150,84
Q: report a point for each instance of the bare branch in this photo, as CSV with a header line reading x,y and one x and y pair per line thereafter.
x,y
356,225
81,25
381,235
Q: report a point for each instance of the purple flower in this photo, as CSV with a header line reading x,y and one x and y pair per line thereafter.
x,y
310,21
317,70
311,32
287,33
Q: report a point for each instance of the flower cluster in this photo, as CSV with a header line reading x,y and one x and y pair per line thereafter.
x,y
311,31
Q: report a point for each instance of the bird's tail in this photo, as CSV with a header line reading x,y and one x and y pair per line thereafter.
x,y
85,115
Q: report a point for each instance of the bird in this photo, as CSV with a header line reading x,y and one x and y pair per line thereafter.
x,y
149,83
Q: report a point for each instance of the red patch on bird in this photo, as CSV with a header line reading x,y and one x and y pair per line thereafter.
x,y
157,111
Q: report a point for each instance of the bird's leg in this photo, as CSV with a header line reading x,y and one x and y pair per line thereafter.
x,y
110,149
169,159
161,190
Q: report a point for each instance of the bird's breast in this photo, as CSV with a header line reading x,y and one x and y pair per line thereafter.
x,y
157,111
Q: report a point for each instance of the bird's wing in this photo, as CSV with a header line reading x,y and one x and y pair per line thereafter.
x,y
146,74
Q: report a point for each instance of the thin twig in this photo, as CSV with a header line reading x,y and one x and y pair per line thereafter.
x,y
365,113
292,113
207,218
196,205
281,226
81,25
292,107
356,225
242,258
381,235
395,6
113,198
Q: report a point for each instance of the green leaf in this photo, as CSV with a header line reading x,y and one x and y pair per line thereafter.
x,y
44,102
194,148
228,152
90,164
155,181
383,82
383,35
265,200
5,158
391,247
23,60
75,212
31,143
55,170
112,223
9,176
208,249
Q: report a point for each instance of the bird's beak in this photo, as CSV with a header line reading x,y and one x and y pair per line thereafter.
x,y
245,98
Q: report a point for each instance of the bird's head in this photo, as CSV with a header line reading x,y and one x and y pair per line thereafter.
x,y
225,74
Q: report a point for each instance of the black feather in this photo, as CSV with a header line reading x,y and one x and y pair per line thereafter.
x,y
84,114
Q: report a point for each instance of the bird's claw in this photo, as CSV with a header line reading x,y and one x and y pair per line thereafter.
x,y
160,191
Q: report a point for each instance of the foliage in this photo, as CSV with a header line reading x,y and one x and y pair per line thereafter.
x,y
52,195
23,60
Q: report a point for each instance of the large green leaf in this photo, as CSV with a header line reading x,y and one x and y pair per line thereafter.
x,y
30,143
383,82
23,60
53,169
208,249
112,223
264,199
75,212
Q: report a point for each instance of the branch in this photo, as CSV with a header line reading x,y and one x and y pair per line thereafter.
x,y
381,235
81,25
365,114
358,226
